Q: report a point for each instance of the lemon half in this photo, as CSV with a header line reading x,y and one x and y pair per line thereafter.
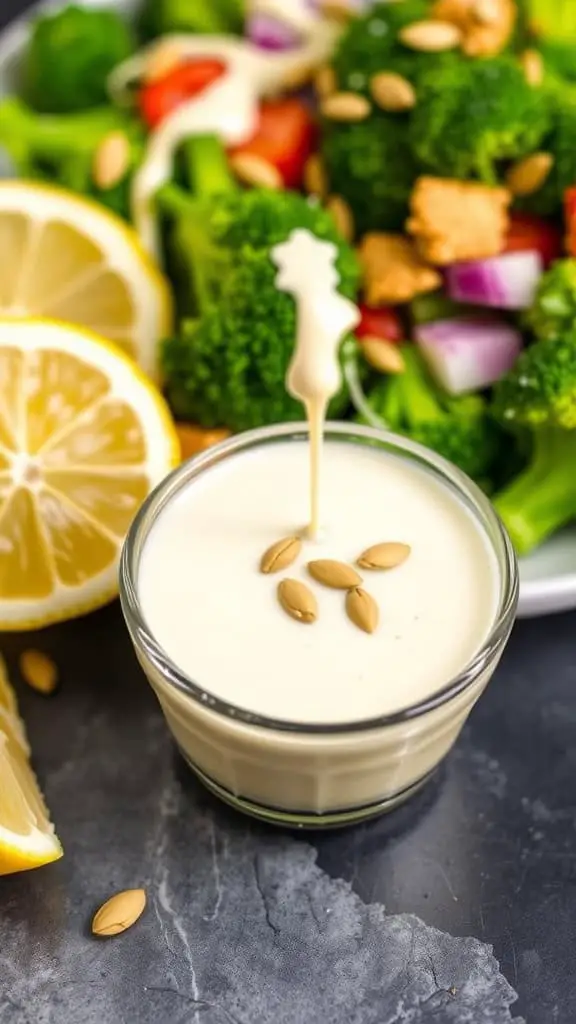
x,y
84,437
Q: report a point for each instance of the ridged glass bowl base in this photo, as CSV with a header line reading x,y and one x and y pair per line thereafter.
x,y
304,819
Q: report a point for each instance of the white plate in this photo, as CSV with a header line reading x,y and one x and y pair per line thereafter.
x,y
548,578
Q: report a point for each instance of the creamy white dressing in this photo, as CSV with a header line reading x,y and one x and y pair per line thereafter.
x,y
227,108
307,270
218,617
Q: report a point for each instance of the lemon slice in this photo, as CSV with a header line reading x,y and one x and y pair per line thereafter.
x,y
70,259
84,436
27,837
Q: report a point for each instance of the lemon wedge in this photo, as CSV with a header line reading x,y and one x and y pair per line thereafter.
x,y
27,837
70,259
84,437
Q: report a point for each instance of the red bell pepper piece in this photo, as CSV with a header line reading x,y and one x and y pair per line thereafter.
x,y
160,97
382,322
530,233
285,138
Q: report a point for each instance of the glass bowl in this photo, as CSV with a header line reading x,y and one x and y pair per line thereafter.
x,y
308,774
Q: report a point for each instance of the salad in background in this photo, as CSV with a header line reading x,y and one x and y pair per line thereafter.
x,y
433,141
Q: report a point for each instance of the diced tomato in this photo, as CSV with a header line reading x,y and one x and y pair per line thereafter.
x,y
530,233
285,138
570,216
163,95
383,323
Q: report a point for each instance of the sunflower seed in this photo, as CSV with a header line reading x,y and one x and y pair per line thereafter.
x,y
384,556
382,355
119,912
528,175
331,573
431,36
345,106
39,671
298,601
362,609
392,92
280,555
111,160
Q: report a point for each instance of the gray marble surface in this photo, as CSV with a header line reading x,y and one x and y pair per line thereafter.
x,y
389,923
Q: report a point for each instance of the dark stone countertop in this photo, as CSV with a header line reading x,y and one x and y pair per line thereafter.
x,y
386,923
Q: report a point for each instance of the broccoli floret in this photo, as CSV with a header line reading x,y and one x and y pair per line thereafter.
x,y
547,201
541,389
538,398
371,45
460,429
60,148
228,364
69,57
553,312
471,115
370,164
212,17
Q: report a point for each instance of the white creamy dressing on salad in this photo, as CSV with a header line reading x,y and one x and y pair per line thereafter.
x,y
228,107
306,269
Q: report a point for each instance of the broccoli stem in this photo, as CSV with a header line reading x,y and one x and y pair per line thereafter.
x,y
48,136
207,167
174,201
420,404
556,20
432,306
232,13
209,175
543,498
211,17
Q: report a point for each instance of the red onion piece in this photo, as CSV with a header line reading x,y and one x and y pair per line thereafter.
x,y
270,33
508,281
468,354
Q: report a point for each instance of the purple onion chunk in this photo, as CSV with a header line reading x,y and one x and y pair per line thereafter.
x,y
508,281
469,353
270,33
